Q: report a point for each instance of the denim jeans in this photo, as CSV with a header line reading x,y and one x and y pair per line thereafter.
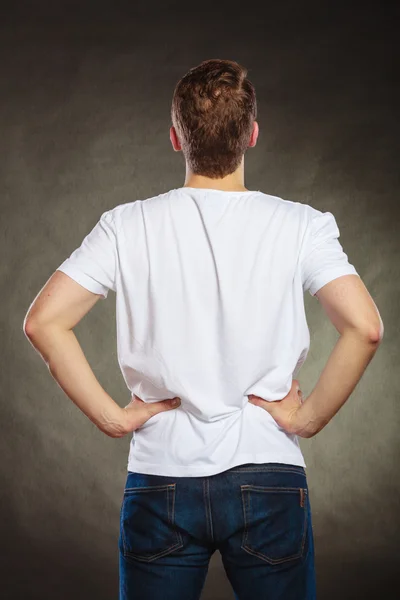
x,y
257,515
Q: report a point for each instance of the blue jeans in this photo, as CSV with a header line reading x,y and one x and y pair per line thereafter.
x,y
257,515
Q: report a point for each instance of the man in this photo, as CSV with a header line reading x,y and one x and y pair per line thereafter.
x,y
210,280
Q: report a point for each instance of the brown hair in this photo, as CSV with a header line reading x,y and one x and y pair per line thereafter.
x,y
213,110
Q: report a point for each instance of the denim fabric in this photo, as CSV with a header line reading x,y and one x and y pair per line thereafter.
x,y
257,515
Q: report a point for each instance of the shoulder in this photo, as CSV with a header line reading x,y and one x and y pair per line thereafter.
x,y
290,210
133,207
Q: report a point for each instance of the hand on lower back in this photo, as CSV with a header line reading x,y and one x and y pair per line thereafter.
x,y
137,412
283,411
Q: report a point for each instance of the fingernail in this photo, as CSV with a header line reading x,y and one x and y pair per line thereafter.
x,y
175,401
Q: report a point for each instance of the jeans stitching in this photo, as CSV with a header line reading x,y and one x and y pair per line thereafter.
x,y
173,524
205,503
168,488
168,507
245,533
209,509
247,488
305,508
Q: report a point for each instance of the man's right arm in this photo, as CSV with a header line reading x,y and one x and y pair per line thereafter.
x,y
353,312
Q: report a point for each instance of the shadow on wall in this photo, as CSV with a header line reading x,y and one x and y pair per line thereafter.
x,y
60,568
357,578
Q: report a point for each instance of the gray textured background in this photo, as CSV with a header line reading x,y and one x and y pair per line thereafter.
x,y
85,99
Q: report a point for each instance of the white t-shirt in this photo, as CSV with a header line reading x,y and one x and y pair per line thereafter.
x,y
210,308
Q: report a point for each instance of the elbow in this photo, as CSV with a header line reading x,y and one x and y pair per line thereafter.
x,y
26,327
29,328
376,333
371,335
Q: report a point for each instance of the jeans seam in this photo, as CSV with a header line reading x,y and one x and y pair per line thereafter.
x,y
207,503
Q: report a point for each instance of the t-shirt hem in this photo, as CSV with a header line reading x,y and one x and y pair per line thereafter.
x,y
138,466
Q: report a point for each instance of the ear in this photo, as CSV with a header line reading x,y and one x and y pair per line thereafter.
x,y
174,139
254,135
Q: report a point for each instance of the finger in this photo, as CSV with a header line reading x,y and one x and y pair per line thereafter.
x,y
255,400
261,403
169,404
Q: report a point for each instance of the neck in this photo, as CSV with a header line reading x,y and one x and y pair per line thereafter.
x,y
230,183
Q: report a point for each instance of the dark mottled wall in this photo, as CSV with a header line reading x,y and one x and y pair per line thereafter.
x,y
85,99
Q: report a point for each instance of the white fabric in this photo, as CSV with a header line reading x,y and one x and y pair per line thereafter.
x,y
210,307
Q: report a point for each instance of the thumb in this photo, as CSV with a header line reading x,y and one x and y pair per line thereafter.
x,y
169,404
261,402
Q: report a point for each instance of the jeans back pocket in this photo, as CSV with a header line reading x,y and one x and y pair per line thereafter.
x,y
275,522
148,522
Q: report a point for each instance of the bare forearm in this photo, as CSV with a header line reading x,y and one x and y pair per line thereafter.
x,y
344,369
67,363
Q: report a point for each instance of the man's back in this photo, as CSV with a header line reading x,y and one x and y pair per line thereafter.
x,y
210,308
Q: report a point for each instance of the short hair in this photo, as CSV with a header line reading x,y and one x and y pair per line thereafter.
x,y
213,109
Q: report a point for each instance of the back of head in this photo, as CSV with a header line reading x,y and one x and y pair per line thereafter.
x,y
213,110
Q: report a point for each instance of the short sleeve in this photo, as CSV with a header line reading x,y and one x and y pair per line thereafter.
x,y
322,258
93,263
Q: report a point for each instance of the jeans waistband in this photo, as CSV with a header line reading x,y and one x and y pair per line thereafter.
x,y
268,467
